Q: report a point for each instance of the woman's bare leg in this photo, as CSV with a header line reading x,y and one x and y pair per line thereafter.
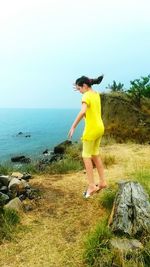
x,y
99,165
89,171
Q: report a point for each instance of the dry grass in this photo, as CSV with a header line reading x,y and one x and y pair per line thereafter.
x,y
52,233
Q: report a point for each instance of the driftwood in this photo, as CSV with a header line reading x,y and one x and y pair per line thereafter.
x,y
131,209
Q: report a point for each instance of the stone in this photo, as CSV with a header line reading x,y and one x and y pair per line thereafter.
x,y
17,185
131,210
5,179
26,176
21,159
4,189
125,244
17,175
3,199
14,204
61,148
45,151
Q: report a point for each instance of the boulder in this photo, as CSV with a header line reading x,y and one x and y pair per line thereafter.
x,y
17,175
61,148
21,159
4,189
17,186
5,179
14,204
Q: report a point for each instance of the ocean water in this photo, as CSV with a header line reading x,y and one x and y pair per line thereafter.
x,y
47,128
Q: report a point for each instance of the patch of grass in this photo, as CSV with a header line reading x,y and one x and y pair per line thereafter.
x,y
8,219
107,198
63,166
31,168
143,177
108,140
96,246
6,168
146,254
108,160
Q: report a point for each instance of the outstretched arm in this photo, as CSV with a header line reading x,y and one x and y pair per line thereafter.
x,y
80,115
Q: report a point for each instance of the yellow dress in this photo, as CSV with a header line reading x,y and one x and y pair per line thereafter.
x,y
94,127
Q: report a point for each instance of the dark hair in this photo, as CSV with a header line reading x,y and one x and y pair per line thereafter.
x,y
83,79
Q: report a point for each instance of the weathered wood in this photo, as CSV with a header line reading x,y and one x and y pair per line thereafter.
x,y
131,209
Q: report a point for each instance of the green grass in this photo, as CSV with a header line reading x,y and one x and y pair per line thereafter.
x,y
143,177
96,245
107,198
63,166
8,220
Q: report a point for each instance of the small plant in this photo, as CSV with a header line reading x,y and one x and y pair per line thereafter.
x,y
96,246
108,160
107,198
8,219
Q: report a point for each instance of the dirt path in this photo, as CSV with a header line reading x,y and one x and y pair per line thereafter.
x,y
53,232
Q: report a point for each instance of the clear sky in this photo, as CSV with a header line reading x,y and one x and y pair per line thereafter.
x,y
45,45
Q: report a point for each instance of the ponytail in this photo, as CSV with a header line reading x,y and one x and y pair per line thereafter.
x,y
97,80
83,79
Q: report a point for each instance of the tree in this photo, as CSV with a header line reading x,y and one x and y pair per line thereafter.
x,y
139,88
116,87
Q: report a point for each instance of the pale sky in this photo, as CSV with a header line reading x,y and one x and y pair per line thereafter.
x,y
45,45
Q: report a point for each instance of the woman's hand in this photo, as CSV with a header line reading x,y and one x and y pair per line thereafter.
x,y
70,134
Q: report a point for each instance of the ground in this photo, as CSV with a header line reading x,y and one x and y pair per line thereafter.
x,y
52,234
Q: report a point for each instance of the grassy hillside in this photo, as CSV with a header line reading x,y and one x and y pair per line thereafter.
x,y
56,229
123,120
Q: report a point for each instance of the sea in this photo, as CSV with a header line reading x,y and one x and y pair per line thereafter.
x,y
39,129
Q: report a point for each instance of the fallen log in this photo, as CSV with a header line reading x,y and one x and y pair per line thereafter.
x,y
131,209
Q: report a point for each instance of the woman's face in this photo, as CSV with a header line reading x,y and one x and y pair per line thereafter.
x,y
82,89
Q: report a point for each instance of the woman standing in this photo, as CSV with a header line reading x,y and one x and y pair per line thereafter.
x,y
93,131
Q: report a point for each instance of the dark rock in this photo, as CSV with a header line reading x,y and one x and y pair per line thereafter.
x,y
20,133
28,135
22,197
3,199
32,193
45,151
4,189
12,194
61,148
131,210
21,159
5,179
26,176
56,157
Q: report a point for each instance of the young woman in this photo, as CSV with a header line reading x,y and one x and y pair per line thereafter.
x,y
93,131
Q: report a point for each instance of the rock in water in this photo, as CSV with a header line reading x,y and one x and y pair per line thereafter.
x,y
131,209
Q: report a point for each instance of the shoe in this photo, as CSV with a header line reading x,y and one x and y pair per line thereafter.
x,y
87,195
101,187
